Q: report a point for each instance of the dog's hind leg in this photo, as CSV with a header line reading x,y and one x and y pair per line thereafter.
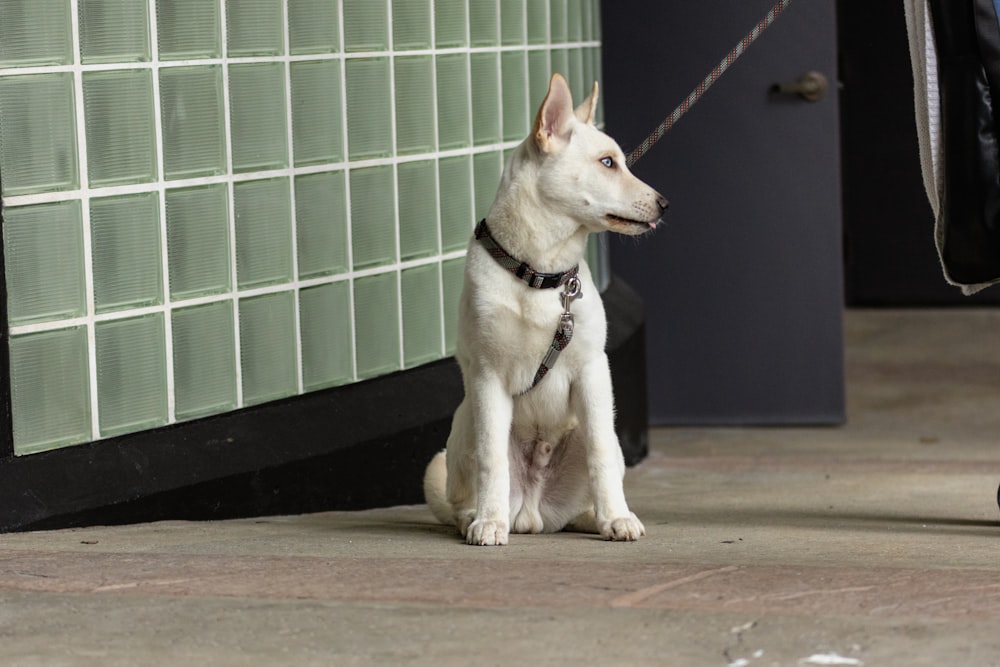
x,y
460,486
435,489
584,523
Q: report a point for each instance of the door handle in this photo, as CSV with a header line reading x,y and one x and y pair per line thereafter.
x,y
811,86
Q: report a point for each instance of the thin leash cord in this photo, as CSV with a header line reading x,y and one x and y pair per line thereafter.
x,y
712,77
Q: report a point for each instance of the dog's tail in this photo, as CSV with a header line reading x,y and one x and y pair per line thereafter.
x,y
435,489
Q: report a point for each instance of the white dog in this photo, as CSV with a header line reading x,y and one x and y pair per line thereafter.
x,y
533,446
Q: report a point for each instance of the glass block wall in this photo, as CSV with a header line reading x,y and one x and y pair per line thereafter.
x,y
210,204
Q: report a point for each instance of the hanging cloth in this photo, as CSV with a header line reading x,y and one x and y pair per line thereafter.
x,y
955,53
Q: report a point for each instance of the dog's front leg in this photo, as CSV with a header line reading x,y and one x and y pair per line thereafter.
x,y
492,415
594,402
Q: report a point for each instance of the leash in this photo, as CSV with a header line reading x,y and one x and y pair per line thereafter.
x,y
712,77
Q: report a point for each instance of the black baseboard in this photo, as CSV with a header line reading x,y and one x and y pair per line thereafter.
x,y
305,454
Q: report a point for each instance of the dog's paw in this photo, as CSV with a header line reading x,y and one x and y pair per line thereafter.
x,y
623,529
487,533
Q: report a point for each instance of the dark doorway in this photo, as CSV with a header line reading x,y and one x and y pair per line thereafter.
x,y
744,283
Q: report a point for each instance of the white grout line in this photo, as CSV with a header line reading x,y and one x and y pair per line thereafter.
x,y
393,141
229,181
442,324
472,132
97,67
296,309
347,276
83,196
349,217
168,331
140,188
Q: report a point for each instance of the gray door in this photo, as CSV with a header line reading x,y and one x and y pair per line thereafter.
x,y
743,284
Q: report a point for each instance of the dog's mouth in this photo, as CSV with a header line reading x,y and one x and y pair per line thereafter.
x,y
619,220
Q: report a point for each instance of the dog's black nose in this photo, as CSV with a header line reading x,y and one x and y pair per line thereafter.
x,y
663,203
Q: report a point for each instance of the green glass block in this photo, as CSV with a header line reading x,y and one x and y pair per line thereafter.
x,y
188,29
597,259
587,20
596,27
325,330
366,25
452,279
198,241
37,134
487,168
121,143
454,120
254,28
373,217
267,347
485,102
50,389
450,18
43,253
411,24
36,33
414,104
589,76
455,194
538,21
204,360
313,26
421,303
418,210
558,21
484,29
194,134
512,22
113,31
376,321
321,223
369,108
560,62
125,251
576,75
131,374
539,74
574,20
263,212
317,125
258,116
516,115
595,69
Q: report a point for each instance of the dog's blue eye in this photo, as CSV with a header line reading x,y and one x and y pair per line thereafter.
x,y
607,162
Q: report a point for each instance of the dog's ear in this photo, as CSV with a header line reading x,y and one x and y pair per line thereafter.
x,y
555,117
585,112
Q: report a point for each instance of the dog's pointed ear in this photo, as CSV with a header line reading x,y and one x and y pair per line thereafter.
x,y
585,112
555,117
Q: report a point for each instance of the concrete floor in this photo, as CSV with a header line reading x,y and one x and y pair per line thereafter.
x,y
877,543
